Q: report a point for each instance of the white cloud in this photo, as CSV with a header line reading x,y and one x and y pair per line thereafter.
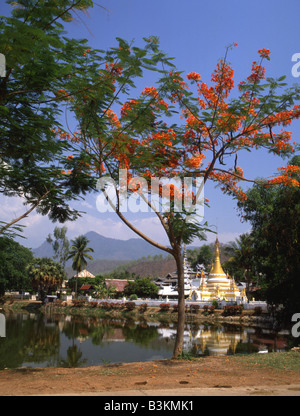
x,y
85,204
11,208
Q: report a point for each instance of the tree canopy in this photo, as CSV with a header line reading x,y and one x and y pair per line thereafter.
x,y
40,61
60,244
130,141
142,287
274,214
45,275
13,265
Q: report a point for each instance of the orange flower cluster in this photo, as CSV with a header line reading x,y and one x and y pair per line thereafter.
x,y
211,98
152,91
229,122
127,107
228,183
124,161
258,73
283,180
163,103
62,134
113,118
114,68
164,138
284,117
290,169
193,76
223,79
171,192
264,53
62,94
192,121
195,161
286,177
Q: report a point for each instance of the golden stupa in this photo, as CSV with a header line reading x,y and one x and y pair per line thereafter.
x,y
218,285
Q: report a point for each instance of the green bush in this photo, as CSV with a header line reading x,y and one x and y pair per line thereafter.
x,y
208,310
215,303
143,307
93,304
129,306
78,303
232,310
194,308
164,307
175,308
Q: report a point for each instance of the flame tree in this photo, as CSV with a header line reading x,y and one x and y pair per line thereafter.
x,y
119,132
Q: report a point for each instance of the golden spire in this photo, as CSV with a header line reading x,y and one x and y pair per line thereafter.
x,y
216,267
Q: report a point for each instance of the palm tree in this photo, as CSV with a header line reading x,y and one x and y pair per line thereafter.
x,y
241,256
79,253
45,275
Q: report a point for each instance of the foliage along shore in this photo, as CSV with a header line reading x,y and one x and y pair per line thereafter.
x,y
129,311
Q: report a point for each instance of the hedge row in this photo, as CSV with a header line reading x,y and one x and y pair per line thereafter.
x,y
229,310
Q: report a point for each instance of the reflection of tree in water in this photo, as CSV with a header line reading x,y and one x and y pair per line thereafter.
x,y
73,357
37,339
98,333
43,341
28,340
140,334
99,330
87,328
71,330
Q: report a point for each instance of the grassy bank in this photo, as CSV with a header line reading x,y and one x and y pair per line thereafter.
x,y
286,361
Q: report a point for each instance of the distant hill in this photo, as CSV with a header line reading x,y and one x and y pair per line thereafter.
x,y
142,267
111,248
108,248
131,255
149,268
109,253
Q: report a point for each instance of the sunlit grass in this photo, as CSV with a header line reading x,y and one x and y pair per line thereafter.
x,y
278,360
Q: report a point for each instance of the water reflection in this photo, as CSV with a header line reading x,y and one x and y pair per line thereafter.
x,y
74,341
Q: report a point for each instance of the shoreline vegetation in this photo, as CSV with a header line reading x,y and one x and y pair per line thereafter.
x,y
128,310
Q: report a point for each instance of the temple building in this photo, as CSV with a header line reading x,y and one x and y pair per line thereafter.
x,y
217,285
199,286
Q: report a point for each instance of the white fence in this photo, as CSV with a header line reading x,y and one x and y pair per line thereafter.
x,y
157,302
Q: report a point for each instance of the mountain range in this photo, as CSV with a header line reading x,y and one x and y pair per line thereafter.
x,y
131,255
108,248
109,253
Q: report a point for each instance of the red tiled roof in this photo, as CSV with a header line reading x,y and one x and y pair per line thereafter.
x,y
86,287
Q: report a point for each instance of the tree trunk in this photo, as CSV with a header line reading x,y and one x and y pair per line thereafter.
x,y
76,286
181,306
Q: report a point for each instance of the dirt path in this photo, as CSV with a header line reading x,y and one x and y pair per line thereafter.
x,y
215,375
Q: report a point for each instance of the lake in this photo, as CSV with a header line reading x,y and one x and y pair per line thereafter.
x,y
36,340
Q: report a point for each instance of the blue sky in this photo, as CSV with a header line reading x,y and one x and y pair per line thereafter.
x,y
196,33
